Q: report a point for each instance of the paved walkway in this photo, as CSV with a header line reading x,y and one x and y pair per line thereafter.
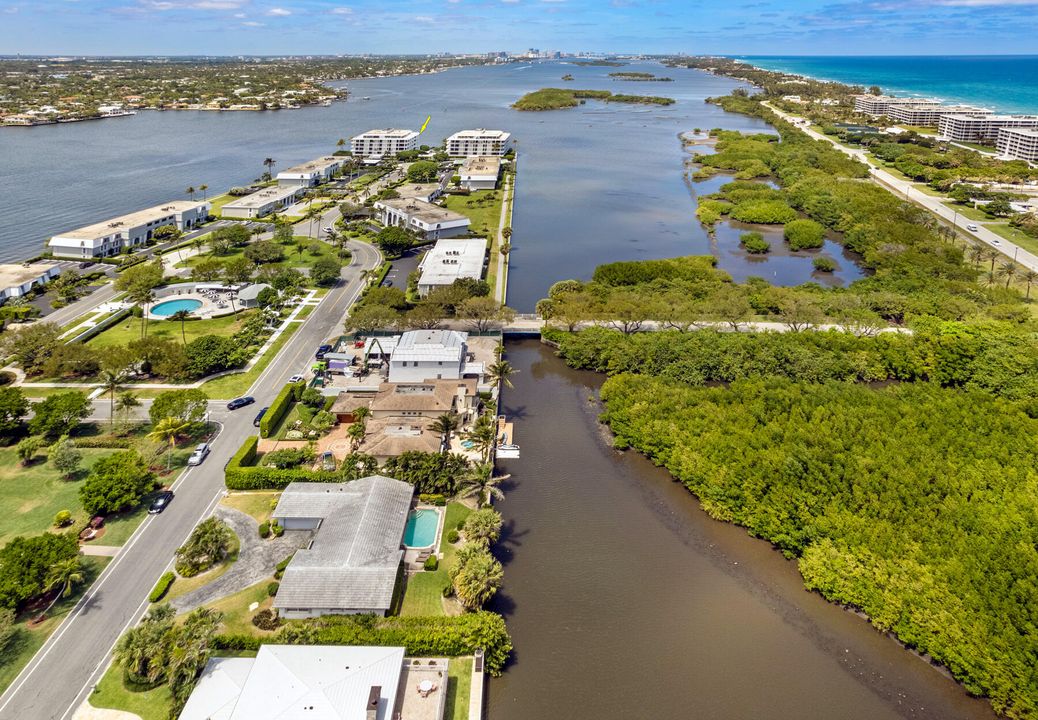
x,y
86,711
100,550
501,286
257,560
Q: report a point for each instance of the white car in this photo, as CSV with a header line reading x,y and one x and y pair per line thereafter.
x,y
971,227
294,379
200,454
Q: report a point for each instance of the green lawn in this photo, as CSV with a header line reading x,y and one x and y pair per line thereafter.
x,y
237,618
424,593
968,211
231,386
1014,235
130,329
28,641
253,504
484,215
459,688
217,203
110,693
31,496
293,258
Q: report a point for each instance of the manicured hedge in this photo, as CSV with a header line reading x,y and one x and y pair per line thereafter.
x,y
162,587
279,407
241,474
421,636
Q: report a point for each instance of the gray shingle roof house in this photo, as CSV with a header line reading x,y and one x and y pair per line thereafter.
x,y
351,565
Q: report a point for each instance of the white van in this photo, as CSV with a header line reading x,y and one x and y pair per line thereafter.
x,y
971,227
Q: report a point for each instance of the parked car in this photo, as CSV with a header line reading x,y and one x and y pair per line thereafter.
x,y
971,227
161,502
240,402
321,351
294,379
200,453
259,416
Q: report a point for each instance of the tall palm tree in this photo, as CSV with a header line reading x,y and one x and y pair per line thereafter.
x,y
989,278
992,255
63,576
269,163
126,402
500,372
142,650
481,482
203,187
168,430
1029,277
341,143
111,381
976,253
483,435
190,192
182,316
1008,270
444,425
356,434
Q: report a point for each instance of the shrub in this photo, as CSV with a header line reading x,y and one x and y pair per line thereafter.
x,y
62,518
433,498
754,243
453,536
824,264
117,482
209,543
279,569
287,457
277,530
768,212
264,529
272,588
162,587
431,563
266,620
279,407
803,234
460,525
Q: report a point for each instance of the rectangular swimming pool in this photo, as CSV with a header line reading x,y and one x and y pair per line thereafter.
x,y
420,531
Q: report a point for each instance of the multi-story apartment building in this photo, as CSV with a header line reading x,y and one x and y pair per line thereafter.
x,y
384,142
471,143
1018,143
982,128
876,105
263,202
930,115
308,174
108,238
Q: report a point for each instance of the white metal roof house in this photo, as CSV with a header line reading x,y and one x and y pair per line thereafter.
x,y
350,566
431,222
316,682
450,260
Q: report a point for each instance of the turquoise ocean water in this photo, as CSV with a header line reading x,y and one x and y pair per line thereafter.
x,y
1001,82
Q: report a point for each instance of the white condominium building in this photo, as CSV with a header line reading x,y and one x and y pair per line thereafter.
x,y
263,202
108,238
876,105
969,128
480,173
930,115
384,142
431,222
451,260
1018,144
469,143
310,173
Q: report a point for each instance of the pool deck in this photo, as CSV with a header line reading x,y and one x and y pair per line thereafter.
x,y
216,306
411,553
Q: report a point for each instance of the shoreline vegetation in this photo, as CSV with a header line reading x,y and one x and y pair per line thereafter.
x,y
886,464
639,77
561,98
45,91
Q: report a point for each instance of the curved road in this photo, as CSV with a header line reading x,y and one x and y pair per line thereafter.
x,y
62,673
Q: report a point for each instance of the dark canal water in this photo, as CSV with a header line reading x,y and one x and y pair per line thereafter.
x,y
625,600
597,183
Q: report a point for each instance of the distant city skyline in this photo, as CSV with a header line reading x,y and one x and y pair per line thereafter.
x,y
737,27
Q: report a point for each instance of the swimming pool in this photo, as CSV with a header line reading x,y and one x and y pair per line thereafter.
x,y
169,307
420,531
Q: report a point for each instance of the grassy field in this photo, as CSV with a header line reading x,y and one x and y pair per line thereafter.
x,y
482,208
459,688
110,693
27,641
231,386
254,504
1014,235
130,329
968,212
237,618
424,594
293,258
217,203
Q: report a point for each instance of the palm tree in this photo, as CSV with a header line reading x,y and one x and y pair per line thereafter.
x,y
203,188
506,247
992,255
111,381
1029,277
63,576
481,482
269,163
190,192
506,233
483,435
126,402
444,425
189,654
142,650
182,316
976,254
168,430
500,372
356,433
989,279
341,143
1007,270
477,580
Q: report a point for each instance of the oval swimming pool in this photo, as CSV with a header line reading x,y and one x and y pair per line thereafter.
x,y
420,531
169,307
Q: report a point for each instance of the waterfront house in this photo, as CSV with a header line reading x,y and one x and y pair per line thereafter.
x,y
451,260
377,143
17,280
134,230
422,355
428,221
479,142
350,566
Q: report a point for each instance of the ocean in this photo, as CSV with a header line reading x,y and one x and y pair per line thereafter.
x,y
1004,83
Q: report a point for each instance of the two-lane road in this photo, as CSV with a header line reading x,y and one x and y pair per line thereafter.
x,y
61,675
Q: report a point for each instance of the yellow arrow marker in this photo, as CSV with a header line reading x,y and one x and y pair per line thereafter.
x,y
425,124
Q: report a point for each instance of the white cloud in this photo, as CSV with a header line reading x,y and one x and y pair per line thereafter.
x,y
341,11
279,12
192,4
252,23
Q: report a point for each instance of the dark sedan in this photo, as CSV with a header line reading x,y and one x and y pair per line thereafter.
x,y
240,402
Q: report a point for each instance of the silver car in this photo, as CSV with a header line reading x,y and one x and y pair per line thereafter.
x,y
200,453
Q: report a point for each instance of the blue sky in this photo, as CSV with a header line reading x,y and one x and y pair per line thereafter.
x,y
793,27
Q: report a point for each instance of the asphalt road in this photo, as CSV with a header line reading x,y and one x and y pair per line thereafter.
x,y
63,672
931,203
